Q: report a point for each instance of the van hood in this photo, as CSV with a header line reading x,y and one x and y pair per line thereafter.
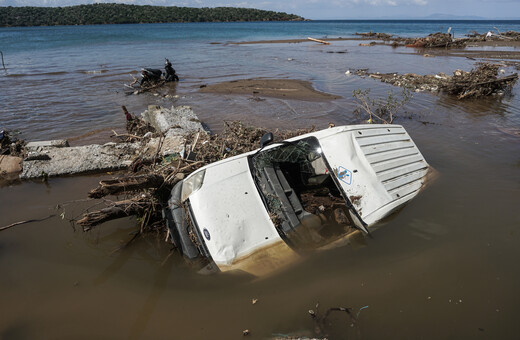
x,y
230,213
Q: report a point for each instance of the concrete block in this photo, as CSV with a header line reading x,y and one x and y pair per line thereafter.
x,y
81,159
58,143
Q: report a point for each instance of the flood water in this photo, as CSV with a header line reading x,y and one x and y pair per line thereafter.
x,y
444,267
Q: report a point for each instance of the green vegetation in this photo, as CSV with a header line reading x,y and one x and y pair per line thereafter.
x,y
130,14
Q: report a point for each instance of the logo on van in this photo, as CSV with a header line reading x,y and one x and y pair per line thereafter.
x,y
206,234
345,175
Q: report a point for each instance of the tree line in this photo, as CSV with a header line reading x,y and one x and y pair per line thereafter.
x,y
96,14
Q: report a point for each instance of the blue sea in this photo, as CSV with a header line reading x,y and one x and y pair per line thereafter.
x,y
64,81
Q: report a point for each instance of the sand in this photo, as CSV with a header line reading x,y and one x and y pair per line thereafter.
x,y
277,88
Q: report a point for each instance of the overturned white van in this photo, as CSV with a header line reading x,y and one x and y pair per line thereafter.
x,y
258,211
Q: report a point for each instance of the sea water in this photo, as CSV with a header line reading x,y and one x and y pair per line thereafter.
x,y
63,81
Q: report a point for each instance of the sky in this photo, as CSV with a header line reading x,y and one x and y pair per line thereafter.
x,y
330,9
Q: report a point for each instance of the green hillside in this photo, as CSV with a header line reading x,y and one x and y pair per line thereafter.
x,y
130,14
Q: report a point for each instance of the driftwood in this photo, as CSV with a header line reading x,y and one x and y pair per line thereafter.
x,y
24,222
135,206
318,40
126,184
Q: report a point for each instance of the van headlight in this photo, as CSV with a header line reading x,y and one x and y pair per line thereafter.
x,y
192,184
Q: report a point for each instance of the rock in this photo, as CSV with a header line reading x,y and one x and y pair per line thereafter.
x,y
10,166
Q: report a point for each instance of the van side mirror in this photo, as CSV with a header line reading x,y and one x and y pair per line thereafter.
x,y
266,139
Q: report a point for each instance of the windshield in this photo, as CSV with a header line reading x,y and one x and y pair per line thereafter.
x,y
300,194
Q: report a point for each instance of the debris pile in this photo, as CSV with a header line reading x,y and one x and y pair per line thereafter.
x,y
10,145
436,40
382,36
146,188
136,127
443,40
489,36
479,82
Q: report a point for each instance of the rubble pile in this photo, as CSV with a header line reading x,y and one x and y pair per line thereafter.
x,y
479,82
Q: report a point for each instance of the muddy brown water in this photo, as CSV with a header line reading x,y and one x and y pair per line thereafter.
x,y
444,267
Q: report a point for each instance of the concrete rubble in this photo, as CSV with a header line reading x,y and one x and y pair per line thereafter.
x,y
181,122
55,158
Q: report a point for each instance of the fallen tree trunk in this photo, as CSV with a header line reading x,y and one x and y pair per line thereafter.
x,y
125,208
126,184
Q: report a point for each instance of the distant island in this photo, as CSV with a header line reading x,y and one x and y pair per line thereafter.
x,y
97,14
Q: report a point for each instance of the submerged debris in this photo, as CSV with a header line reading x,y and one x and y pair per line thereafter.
x,y
479,82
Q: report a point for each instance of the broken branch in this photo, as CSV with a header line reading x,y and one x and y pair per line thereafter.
x,y
126,184
24,222
119,209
